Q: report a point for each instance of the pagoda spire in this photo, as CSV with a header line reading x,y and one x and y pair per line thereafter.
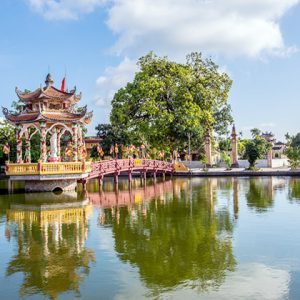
x,y
49,81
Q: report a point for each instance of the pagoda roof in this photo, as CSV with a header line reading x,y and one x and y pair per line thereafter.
x,y
50,116
48,92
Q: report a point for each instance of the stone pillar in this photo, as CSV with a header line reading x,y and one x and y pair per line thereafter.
x,y
234,149
19,144
53,145
43,142
75,142
59,135
270,157
27,146
208,148
80,144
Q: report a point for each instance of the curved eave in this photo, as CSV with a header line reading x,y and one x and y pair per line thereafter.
x,y
25,97
20,119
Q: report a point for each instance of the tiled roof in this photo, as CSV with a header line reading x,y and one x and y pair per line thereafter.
x,y
22,118
48,92
51,116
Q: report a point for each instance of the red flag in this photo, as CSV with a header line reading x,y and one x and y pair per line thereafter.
x,y
63,84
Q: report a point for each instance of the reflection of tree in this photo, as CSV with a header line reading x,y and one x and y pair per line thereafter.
x,y
182,241
51,252
294,189
260,194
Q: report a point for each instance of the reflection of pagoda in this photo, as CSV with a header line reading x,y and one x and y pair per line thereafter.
x,y
48,110
51,246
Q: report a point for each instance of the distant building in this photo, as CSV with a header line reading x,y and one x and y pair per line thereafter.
x,y
278,148
90,143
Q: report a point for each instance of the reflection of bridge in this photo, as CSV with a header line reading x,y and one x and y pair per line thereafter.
x,y
64,175
131,196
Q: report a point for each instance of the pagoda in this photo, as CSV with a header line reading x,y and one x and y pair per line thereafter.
x,y
49,110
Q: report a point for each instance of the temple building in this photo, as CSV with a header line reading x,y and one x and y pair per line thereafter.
x,y
53,112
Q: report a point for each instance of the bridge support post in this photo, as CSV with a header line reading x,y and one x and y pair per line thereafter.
x,y
100,181
116,178
154,176
143,175
130,176
164,176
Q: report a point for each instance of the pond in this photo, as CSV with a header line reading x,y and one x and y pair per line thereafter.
x,y
186,238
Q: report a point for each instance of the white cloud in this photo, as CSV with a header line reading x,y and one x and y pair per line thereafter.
x,y
233,27
253,281
64,9
113,79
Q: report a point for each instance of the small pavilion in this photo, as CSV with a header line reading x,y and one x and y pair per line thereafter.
x,y
49,110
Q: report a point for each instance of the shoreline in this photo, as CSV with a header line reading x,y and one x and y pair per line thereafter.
x,y
238,173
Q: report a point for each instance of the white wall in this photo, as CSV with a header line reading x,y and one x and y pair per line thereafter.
x,y
262,163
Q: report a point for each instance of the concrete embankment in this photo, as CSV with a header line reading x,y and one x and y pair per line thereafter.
x,y
239,173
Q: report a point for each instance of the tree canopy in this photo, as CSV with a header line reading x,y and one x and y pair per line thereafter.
x,y
168,101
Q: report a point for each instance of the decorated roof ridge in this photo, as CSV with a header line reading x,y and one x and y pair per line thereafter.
x,y
49,91
80,111
50,116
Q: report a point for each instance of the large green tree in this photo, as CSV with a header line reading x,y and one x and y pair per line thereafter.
x,y
168,102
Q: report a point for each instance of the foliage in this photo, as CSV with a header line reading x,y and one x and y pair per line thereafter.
x,y
168,101
259,195
293,141
256,149
182,240
255,132
112,135
225,145
293,155
293,150
227,159
7,135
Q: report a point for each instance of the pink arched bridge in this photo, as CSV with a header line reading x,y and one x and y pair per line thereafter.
x,y
114,167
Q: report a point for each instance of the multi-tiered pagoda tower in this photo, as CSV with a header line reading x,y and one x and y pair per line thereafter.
x,y
53,111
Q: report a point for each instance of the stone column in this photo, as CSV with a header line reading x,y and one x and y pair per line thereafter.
x,y
27,147
234,149
59,135
80,143
43,142
208,148
19,144
75,142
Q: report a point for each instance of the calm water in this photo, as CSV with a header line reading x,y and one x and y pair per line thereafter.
x,y
194,238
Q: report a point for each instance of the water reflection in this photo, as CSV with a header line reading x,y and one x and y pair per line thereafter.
x,y
178,238
294,189
261,192
50,237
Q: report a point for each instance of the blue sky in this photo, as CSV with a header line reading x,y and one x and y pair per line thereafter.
x,y
98,42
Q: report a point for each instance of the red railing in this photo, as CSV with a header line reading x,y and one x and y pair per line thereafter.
x,y
105,167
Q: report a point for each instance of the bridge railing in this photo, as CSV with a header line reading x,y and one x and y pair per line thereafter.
x,y
47,168
112,166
